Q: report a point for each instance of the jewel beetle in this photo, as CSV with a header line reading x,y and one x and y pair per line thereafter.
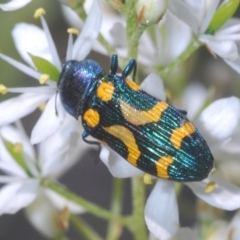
x,y
149,133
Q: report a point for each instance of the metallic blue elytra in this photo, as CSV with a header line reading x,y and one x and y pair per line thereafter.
x,y
149,133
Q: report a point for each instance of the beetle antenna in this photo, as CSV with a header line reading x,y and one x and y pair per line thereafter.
x,y
56,111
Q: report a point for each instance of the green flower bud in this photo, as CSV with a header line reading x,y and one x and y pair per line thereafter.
x,y
150,11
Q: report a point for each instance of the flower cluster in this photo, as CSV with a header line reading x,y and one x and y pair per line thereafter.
x,y
161,35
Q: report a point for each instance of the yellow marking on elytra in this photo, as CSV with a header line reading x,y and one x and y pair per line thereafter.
x,y
105,91
147,179
18,148
162,166
44,78
178,134
91,117
138,117
127,137
73,31
3,89
132,85
39,12
210,187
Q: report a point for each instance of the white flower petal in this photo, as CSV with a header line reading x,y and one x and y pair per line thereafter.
x,y
220,120
233,228
17,195
117,35
153,85
69,47
14,5
234,64
146,56
185,13
208,15
118,166
29,38
186,234
61,145
192,102
14,135
89,33
161,211
72,17
7,163
225,49
18,107
22,67
49,122
51,46
229,28
60,202
12,168
172,38
39,90
42,214
224,196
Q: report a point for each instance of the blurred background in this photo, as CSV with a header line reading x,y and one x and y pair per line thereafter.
x,y
90,178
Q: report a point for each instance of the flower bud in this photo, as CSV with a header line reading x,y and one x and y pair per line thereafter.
x,y
150,11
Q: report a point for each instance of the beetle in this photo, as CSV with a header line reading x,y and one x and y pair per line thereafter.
x,y
149,133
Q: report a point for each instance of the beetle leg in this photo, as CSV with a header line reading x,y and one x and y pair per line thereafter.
x,y
131,66
85,135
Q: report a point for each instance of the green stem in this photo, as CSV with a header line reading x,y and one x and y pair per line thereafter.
x,y
134,40
132,25
136,223
193,46
114,227
83,228
90,207
116,4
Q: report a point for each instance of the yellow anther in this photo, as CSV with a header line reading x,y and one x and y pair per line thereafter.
x,y
147,179
39,12
168,94
3,89
42,106
44,78
18,148
210,187
62,220
73,31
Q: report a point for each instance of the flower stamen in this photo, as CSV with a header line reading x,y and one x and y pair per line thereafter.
x,y
73,31
44,78
18,148
3,89
42,106
62,220
210,186
147,179
39,12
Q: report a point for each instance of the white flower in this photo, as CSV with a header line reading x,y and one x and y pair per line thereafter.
x,y
221,229
31,39
171,36
197,15
22,179
162,221
182,234
14,5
